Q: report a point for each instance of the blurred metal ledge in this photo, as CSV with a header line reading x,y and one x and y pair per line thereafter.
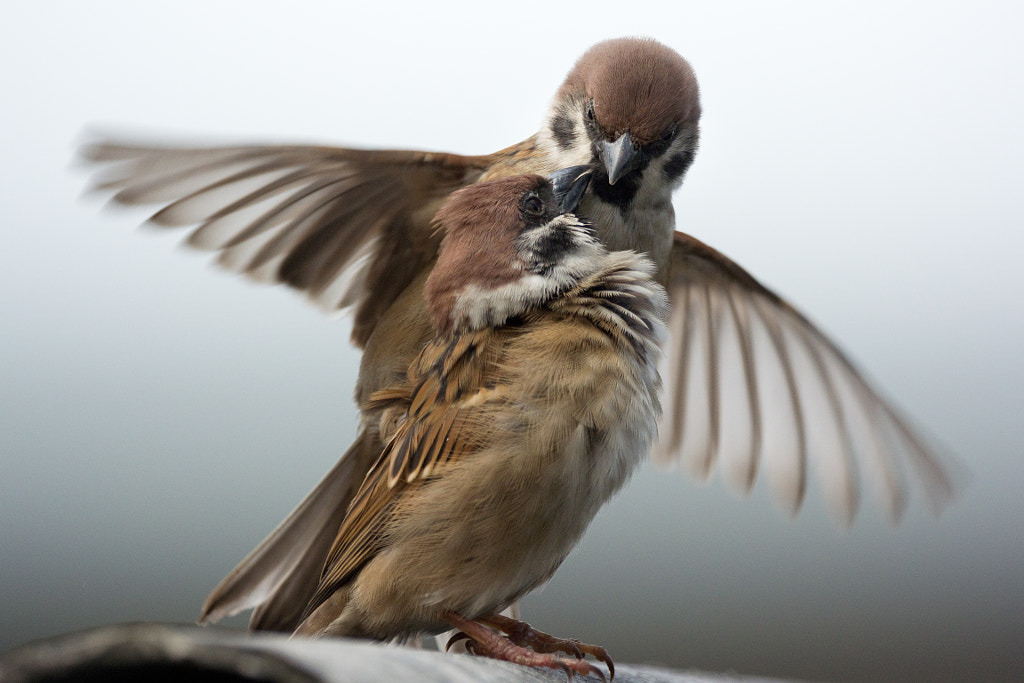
x,y
160,652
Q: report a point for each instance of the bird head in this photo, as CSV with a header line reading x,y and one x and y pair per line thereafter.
x,y
509,245
631,107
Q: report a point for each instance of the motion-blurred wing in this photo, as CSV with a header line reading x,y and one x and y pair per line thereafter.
x,y
752,384
348,227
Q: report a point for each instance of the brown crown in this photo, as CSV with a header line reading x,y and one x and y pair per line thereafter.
x,y
637,84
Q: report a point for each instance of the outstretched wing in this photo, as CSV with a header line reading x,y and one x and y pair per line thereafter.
x,y
348,227
752,384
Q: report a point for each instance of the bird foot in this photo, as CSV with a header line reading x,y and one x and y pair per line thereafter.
x,y
525,645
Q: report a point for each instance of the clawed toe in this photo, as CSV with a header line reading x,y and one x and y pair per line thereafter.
x,y
524,635
454,639
525,645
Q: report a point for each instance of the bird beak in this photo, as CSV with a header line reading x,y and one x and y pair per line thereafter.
x,y
569,184
619,157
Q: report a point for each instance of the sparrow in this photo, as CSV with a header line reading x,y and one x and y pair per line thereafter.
x,y
751,384
531,404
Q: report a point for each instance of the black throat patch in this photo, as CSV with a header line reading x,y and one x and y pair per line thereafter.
x,y
620,194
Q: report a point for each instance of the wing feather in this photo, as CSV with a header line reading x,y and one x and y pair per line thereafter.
x,y
791,475
747,472
322,206
802,404
447,385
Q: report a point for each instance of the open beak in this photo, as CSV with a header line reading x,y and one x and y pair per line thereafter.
x,y
618,157
569,184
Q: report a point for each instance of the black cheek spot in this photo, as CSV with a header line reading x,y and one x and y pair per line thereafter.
x,y
677,165
564,130
551,249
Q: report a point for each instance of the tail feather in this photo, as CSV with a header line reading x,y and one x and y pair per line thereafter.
x,y
281,574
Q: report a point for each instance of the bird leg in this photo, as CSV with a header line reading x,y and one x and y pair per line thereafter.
x,y
525,645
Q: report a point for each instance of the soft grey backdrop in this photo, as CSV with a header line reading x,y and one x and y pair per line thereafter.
x,y
158,417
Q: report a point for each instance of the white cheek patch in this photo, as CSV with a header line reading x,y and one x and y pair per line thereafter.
x,y
477,307
579,152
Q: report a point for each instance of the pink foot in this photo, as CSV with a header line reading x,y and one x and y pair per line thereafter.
x,y
521,637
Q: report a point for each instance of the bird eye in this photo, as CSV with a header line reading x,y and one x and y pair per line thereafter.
x,y
533,205
590,111
669,133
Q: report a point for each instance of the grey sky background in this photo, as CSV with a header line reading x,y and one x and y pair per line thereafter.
x,y
158,417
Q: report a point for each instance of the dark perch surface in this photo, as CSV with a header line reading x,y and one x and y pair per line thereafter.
x,y
131,652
